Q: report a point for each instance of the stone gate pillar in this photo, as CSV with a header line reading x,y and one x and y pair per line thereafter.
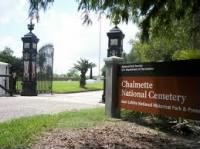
x,y
111,107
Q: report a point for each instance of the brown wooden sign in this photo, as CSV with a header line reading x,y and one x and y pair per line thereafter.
x,y
167,88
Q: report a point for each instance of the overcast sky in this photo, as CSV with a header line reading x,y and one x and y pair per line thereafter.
x,y
62,26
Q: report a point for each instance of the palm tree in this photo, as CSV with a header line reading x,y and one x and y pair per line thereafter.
x,y
92,65
82,65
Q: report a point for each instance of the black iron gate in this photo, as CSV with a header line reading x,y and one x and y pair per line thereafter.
x,y
6,84
45,69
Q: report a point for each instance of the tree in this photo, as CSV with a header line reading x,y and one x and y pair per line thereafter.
x,y
92,65
143,12
16,63
36,5
186,54
7,55
82,65
163,43
157,49
72,74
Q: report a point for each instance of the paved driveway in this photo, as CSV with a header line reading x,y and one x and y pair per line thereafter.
x,y
13,107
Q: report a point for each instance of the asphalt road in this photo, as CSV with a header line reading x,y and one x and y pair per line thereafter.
x,y
14,107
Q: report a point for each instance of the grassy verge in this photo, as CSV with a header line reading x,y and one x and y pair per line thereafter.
x,y
18,133
73,86
70,86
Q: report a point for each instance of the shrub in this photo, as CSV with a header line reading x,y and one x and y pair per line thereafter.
x,y
186,54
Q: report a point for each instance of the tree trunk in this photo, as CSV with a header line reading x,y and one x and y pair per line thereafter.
x,y
196,30
82,81
91,77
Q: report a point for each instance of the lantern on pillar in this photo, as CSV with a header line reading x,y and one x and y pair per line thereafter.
x,y
115,42
29,82
115,48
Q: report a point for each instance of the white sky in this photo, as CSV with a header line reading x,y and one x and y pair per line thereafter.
x,y
62,26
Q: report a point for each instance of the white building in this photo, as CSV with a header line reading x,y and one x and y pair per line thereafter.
x,y
4,81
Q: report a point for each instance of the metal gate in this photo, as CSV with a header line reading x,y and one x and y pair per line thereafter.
x,y
45,69
6,81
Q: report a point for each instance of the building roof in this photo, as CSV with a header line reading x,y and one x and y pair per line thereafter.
x,y
3,63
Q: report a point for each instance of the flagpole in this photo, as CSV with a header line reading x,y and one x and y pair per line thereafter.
x,y
100,30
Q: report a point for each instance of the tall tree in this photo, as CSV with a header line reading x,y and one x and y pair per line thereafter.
x,y
92,65
82,65
36,5
142,12
163,42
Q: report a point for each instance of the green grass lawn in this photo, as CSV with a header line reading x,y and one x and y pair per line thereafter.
x,y
73,86
19,133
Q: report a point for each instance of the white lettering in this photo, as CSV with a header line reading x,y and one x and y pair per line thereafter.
x,y
133,84
168,97
194,110
159,106
131,93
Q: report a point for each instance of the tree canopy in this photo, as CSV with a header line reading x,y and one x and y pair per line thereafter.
x,y
6,55
142,12
166,25
164,42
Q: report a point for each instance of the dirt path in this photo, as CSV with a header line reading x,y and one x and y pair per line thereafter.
x,y
113,135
